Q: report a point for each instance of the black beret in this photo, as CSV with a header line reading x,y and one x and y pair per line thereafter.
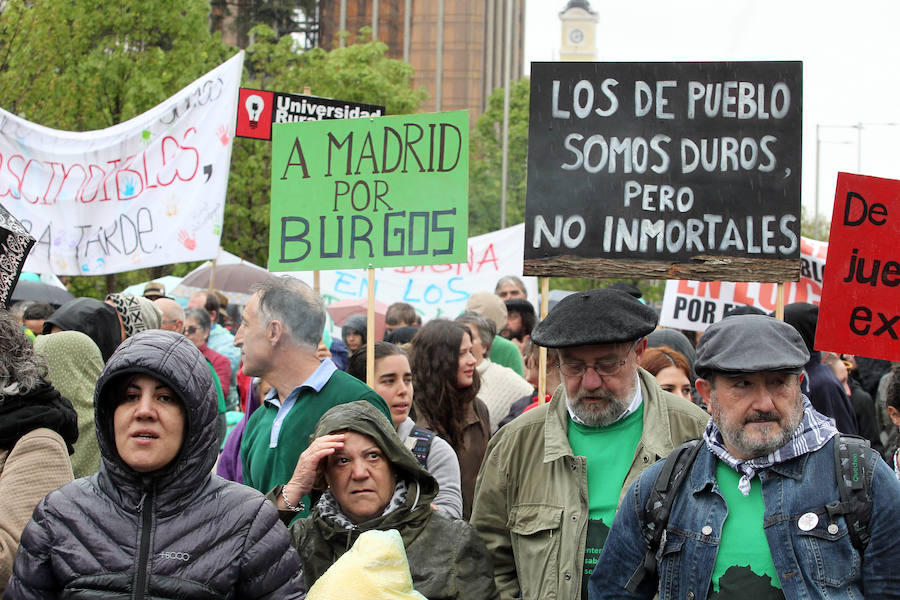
x,y
603,316
750,344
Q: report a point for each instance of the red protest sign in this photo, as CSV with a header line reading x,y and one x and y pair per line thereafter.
x,y
860,308
254,114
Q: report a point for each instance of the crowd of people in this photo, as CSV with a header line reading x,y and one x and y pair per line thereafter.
x,y
743,464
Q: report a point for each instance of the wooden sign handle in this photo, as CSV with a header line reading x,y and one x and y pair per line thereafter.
x,y
542,353
370,330
779,302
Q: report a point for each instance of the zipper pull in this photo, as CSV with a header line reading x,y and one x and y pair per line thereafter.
x,y
140,506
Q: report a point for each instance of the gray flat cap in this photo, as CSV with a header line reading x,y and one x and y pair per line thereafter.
x,y
603,316
750,344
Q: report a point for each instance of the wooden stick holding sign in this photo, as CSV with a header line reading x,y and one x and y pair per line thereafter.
x,y
370,331
542,353
212,274
779,302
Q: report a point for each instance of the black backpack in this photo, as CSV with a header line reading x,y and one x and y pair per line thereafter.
x,y
419,443
854,484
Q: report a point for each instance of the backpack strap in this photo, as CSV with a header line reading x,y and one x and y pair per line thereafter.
x,y
655,515
854,481
419,443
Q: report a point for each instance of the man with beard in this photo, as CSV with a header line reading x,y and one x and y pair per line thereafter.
x,y
760,514
552,479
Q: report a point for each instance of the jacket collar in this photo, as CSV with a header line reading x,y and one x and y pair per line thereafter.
x,y
656,435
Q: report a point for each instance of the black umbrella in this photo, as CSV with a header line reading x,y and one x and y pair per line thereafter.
x,y
15,243
41,292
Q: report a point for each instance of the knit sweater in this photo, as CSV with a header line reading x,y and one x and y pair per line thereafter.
x,y
500,387
36,465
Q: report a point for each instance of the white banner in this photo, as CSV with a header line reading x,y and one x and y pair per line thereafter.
x,y
146,192
437,290
695,305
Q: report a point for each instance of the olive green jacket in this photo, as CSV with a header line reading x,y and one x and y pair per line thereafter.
x,y
531,498
447,559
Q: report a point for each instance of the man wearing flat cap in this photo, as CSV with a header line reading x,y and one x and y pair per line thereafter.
x,y
552,479
761,512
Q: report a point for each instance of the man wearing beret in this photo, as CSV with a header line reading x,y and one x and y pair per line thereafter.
x,y
552,479
759,513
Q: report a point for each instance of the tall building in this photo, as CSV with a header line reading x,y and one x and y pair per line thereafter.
x,y
456,47
579,32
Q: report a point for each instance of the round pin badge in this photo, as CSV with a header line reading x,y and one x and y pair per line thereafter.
x,y
833,529
808,521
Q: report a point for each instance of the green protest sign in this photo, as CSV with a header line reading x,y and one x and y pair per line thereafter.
x,y
380,192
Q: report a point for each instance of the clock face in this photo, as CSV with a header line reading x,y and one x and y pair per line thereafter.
x,y
576,36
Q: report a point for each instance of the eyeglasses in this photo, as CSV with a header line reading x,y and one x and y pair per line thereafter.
x,y
603,369
190,330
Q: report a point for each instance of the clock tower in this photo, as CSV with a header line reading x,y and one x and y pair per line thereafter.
x,y
579,32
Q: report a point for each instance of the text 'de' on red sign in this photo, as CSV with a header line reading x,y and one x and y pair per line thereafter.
x,y
860,308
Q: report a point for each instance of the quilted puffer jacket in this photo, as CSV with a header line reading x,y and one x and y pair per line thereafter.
x,y
178,532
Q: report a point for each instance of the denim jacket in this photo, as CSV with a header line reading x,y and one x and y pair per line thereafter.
x,y
810,564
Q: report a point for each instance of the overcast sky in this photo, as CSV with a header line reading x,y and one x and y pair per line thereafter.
x,y
850,54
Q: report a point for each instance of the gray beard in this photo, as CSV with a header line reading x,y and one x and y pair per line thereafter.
x,y
600,416
736,436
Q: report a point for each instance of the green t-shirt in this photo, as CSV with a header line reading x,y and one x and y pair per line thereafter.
x,y
265,467
744,567
609,452
506,353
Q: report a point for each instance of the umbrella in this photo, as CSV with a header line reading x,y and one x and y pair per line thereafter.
x,y
232,280
41,292
343,310
15,243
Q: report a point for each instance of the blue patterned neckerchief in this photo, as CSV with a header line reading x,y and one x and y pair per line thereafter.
x,y
814,431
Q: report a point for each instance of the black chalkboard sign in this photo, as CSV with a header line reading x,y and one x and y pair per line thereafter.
x,y
665,170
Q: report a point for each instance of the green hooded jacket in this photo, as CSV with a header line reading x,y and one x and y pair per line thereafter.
x,y
447,558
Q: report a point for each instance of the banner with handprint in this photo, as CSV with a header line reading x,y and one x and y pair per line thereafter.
x,y
146,192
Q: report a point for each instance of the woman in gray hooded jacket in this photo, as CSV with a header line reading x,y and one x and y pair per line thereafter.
x,y
154,522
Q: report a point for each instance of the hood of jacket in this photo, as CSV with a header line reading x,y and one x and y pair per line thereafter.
x,y
176,361
362,417
91,317
804,317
